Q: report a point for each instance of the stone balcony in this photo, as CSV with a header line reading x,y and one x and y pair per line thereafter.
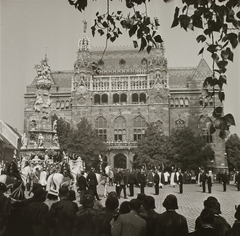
x,y
121,144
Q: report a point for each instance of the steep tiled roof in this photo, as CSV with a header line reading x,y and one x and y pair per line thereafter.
x,y
63,79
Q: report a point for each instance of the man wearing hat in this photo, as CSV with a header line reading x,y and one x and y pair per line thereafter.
x,y
92,182
61,214
235,230
170,223
149,215
36,213
12,169
65,168
130,224
85,220
220,224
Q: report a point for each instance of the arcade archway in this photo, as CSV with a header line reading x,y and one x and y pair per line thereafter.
x,y
120,161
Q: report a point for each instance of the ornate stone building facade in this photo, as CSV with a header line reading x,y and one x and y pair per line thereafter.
x,y
131,89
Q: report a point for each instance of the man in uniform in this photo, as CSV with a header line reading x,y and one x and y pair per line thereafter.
x,y
65,169
12,169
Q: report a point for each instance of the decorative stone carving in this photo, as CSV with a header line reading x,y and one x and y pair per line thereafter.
x,y
40,140
24,141
55,126
55,140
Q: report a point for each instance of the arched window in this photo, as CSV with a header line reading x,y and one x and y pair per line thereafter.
x,y
143,97
101,128
200,101
176,102
67,105
135,98
139,126
58,105
119,129
186,102
96,99
123,97
181,102
179,124
207,136
62,104
105,99
115,98
172,102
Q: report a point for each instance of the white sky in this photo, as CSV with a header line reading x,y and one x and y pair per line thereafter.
x,y
31,28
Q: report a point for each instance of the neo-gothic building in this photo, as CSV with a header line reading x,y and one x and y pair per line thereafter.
x,y
131,89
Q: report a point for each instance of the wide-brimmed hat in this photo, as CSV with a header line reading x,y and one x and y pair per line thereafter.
x,y
170,202
40,194
213,204
3,187
237,213
149,203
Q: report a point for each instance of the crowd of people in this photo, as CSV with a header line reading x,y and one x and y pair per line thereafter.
x,y
59,214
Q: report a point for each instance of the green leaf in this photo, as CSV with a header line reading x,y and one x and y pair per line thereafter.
x,y
132,31
143,44
139,33
119,12
230,54
101,32
201,51
184,21
221,96
233,38
212,48
105,24
222,64
175,22
201,38
197,22
158,39
229,119
222,80
93,28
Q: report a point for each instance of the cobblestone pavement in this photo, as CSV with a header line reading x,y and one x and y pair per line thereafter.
x,y
190,203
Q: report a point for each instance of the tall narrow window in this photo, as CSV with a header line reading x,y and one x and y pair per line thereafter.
x,y
200,101
101,128
62,104
172,102
115,98
176,102
67,105
119,129
96,99
123,97
139,126
105,99
58,104
143,97
181,102
207,137
135,98
186,102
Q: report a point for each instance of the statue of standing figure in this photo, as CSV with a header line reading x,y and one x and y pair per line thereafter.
x,y
55,140
40,140
55,125
24,141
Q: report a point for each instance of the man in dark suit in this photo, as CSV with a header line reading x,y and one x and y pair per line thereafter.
x,y
237,179
82,185
170,223
224,180
180,181
61,214
131,181
142,181
156,180
92,182
122,180
130,224
203,178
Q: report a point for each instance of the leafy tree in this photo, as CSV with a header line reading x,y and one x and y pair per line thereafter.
x,y
233,151
189,151
84,142
63,131
218,20
153,148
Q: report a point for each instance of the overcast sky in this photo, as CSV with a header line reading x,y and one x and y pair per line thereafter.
x,y
32,28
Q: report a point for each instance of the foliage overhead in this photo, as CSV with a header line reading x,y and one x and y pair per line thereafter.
x,y
219,21
233,152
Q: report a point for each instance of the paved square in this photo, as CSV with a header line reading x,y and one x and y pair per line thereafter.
x,y
190,203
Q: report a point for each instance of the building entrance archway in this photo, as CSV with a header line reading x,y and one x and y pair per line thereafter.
x,y
120,161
